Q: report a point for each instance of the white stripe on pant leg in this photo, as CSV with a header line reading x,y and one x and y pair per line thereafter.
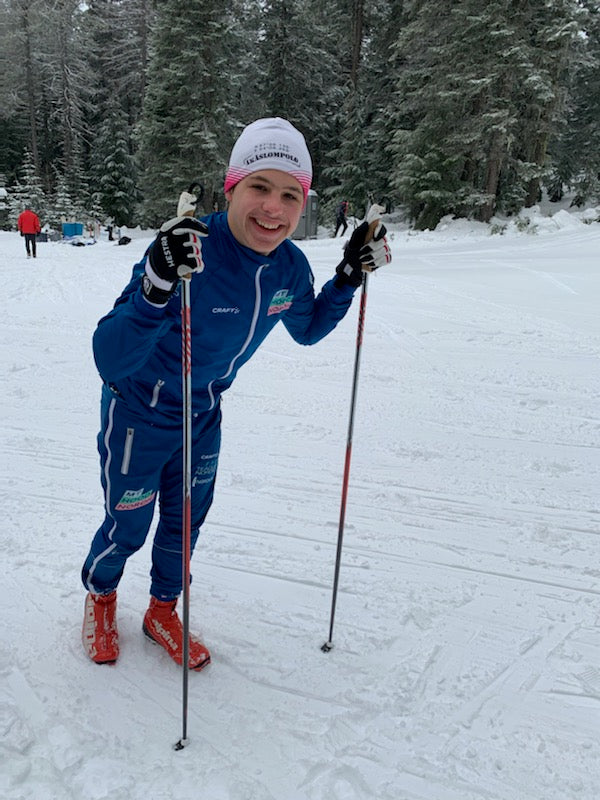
x,y
95,563
109,428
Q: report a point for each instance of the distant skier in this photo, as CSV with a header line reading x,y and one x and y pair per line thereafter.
x,y
340,217
29,226
249,276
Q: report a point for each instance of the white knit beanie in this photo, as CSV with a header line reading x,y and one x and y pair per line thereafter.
x,y
271,143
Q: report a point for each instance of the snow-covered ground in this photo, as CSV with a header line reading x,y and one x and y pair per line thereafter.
x,y
466,663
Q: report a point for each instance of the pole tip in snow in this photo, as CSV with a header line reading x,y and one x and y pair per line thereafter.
x,y
327,646
180,744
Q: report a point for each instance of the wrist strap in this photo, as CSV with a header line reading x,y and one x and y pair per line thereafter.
x,y
154,295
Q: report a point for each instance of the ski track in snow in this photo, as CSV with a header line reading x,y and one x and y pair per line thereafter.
x,y
466,663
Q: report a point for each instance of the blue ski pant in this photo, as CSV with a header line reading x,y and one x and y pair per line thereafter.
x,y
140,464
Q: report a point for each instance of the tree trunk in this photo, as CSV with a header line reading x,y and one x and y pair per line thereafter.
x,y
66,89
539,158
357,36
492,176
30,85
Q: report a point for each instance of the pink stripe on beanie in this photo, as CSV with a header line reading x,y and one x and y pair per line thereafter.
x,y
270,143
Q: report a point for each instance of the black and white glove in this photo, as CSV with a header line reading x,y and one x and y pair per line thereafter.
x,y
175,253
367,250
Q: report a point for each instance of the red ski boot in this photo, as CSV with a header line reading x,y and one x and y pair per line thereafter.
x,y
99,633
163,626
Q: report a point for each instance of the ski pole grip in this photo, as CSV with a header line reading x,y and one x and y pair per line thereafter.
x,y
371,230
188,200
189,212
186,207
374,219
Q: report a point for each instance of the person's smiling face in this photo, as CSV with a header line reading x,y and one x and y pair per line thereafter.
x,y
264,209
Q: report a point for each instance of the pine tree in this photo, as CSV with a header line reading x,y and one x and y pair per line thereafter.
x,y
63,207
49,81
114,188
477,97
348,168
27,192
554,34
188,124
387,19
68,84
450,108
298,74
575,144
117,33
20,69
348,178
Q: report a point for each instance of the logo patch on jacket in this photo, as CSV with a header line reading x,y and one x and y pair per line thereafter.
x,y
134,498
281,302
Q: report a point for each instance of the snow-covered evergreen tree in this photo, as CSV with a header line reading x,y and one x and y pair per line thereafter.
x,y
457,107
63,208
348,177
477,90
20,91
27,191
117,32
386,20
575,144
348,171
49,84
298,71
189,121
113,169
67,81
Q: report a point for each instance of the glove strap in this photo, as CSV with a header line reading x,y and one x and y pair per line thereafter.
x,y
348,274
154,295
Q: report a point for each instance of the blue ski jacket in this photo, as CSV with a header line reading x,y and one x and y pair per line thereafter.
x,y
235,302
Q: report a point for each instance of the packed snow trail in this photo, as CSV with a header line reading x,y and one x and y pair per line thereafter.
x,y
467,635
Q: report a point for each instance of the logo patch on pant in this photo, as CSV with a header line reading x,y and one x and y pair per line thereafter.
x,y
281,302
205,471
135,498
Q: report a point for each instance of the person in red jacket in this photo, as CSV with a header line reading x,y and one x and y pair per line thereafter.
x,y
28,224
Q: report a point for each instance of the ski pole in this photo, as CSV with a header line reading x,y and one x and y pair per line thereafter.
x,y
361,321
186,364
186,356
327,646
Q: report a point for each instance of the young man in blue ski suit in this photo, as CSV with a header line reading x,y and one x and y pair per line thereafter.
x,y
249,276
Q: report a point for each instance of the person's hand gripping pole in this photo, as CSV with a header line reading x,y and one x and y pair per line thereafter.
x,y
367,250
176,252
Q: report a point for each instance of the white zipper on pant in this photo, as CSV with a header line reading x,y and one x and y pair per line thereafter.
x,y
127,451
156,392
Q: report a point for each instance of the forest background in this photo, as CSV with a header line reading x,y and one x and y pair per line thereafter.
x,y
108,109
